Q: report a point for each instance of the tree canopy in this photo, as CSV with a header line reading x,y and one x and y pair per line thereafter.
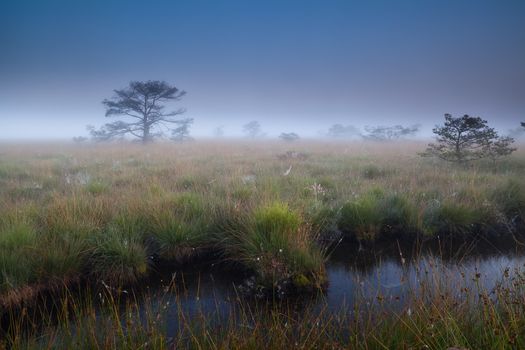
x,y
289,136
468,138
343,131
252,129
385,133
143,105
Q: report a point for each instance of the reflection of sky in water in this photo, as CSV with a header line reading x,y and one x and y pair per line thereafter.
x,y
390,281
379,282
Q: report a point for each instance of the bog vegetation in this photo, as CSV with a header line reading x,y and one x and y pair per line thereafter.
x,y
113,214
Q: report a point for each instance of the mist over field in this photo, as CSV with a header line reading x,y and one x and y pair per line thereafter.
x,y
294,66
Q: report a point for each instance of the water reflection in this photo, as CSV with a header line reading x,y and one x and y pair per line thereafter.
x,y
386,277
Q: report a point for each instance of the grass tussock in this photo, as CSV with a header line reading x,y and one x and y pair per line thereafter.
x,y
510,199
118,258
179,227
278,246
376,215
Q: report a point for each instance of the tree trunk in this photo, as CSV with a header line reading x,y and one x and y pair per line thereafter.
x,y
146,137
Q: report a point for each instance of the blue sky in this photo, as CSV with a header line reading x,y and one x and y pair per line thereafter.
x,y
293,65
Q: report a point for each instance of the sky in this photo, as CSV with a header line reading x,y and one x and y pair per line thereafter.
x,y
293,65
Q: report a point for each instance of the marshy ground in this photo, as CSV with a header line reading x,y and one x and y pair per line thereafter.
x,y
83,224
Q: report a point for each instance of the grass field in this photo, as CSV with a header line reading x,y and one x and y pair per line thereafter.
x,y
113,212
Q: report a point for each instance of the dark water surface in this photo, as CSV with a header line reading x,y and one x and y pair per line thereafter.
x,y
387,276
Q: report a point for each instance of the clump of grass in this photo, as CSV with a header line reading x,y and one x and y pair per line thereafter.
x,y
510,199
65,262
242,193
96,187
372,172
399,215
117,257
452,219
361,218
26,193
376,215
179,227
79,216
192,183
18,242
277,246
322,218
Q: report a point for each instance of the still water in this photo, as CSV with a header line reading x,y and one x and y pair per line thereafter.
x,y
386,277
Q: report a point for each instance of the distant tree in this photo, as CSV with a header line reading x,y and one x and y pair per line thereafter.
x,y
143,103
289,136
252,129
500,147
342,131
182,132
79,139
386,133
523,124
219,131
467,138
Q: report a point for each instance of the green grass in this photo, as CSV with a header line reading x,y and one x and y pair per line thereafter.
x,y
18,243
179,227
510,198
117,257
375,215
277,245
111,211
453,220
